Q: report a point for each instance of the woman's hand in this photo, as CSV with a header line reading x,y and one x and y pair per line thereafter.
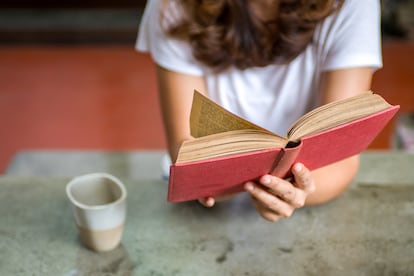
x,y
275,198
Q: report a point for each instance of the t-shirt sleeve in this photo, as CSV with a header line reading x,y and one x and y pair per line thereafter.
x,y
352,37
169,53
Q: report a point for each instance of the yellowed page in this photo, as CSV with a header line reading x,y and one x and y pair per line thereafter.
x,y
228,143
337,113
207,118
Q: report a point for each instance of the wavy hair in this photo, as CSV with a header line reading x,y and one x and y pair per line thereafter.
x,y
244,34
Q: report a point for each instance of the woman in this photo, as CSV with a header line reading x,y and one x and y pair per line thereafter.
x,y
269,62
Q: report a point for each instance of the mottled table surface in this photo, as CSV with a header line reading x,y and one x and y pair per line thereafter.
x,y
367,231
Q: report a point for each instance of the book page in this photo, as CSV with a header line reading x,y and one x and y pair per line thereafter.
x,y
207,118
228,143
337,113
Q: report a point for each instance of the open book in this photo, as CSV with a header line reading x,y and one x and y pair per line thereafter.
x,y
228,151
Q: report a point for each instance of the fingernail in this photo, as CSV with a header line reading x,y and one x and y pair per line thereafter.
x,y
266,179
210,202
298,167
249,186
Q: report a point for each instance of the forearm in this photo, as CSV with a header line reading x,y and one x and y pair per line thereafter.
x,y
331,181
176,93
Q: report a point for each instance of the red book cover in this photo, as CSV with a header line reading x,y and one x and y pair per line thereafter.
x,y
224,175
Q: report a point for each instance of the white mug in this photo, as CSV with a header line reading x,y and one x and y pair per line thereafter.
x,y
99,206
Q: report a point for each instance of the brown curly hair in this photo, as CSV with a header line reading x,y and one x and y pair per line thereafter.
x,y
244,34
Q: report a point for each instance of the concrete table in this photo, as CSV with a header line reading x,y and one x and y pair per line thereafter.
x,y
66,163
367,231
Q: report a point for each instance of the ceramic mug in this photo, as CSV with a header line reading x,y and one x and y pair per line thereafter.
x,y
98,202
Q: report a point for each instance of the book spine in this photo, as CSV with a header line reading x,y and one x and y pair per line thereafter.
x,y
285,160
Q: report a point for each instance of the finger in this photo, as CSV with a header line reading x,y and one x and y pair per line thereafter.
x,y
303,178
284,189
265,213
269,201
207,201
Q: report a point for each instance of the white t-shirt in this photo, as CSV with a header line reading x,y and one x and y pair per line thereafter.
x,y
275,96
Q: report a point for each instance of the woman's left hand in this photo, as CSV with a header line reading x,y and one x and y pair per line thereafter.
x,y
275,198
